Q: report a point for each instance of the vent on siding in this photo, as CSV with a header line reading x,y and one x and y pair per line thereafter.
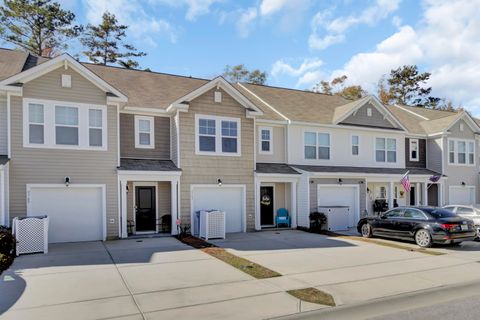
x,y
66,81
369,112
218,97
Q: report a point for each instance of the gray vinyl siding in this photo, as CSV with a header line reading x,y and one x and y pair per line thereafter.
x,y
361,118
314,182
204,169
278,143
434,154
3,127
422,154
127,139
50,166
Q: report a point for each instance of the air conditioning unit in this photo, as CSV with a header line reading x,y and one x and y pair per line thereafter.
x,y
31,234
212,224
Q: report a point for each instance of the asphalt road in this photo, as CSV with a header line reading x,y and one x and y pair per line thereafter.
x,y
453,302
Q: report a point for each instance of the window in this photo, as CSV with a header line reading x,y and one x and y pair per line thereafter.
x,y
413,149
355,145
317,146
394,213
385,150
95,131
217,135
465,211
66,125
266,140
414,214
36,124
461,152
144,132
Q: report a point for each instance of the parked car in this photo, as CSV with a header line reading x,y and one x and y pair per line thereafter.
x,y
471,212
424,225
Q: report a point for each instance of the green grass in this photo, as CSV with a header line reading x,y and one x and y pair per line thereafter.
x,y
313,295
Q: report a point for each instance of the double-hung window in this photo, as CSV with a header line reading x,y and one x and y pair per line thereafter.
x,y
266,140
461,152
144,132
317,145
413,149
95,127
36,123
217,135
386,150
355,145
66,126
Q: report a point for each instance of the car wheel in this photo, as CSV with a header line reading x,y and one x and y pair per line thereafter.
x,y
366,230
423,238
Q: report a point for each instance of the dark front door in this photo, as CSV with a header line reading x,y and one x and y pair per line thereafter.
x,y
145,211
266,206
433,195
412,196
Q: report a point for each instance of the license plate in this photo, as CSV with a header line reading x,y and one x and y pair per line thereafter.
x,y
464,227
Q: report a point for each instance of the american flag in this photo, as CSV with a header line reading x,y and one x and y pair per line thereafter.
x,y
405,181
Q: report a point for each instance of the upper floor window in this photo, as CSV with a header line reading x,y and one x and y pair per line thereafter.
x,y
385,150
355,145
413,149
64,125
144,132
317,146
266,140
217,135
461,152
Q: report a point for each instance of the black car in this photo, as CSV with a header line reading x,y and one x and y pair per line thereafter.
x,y
424,225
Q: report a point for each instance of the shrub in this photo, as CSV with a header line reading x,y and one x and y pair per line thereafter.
x,y
7,248
317,221
183,230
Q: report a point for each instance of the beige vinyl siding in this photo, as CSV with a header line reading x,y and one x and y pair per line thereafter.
x,y
361,118
279,153
3,126
50,166
127,139
202,169
174,139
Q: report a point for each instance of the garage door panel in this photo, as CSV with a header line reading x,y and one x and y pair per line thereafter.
x,y
461,195
228,199
339,196
76,214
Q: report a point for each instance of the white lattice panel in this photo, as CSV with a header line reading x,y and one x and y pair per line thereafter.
x,y
31,234
212,224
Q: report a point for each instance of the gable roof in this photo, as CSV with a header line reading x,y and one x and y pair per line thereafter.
x,y
11,62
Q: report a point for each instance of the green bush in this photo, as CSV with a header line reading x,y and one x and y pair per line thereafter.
x,y
317,221
7,248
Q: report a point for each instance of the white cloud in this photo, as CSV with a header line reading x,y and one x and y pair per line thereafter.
x,y
308,72
141,24
195,8
245,21
268,7
326,32
446,47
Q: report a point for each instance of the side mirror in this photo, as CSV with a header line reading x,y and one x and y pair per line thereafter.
x,y
383,216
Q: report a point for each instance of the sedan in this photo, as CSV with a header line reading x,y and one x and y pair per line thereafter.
x,y
467,212
424,225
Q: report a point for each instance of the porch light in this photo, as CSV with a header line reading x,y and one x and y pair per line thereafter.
x,y
463,184
219,181
67,181
340,181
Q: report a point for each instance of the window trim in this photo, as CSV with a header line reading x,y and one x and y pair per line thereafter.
x,y
317,145
49,123
467,153
410,149
137,120
353,145
218,136
29,123
260,139
385,150
77,126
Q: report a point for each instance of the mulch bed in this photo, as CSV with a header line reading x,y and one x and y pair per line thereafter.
x,y
313,295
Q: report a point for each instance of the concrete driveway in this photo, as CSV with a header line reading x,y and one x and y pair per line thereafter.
x,y
161,278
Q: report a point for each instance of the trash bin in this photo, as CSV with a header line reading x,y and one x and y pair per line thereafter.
x,y
31,234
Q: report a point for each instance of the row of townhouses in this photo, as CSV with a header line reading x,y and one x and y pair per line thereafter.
x,y
108,152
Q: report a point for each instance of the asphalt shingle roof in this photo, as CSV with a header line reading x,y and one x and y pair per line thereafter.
x,y
3,160
147,165
278,168
339,169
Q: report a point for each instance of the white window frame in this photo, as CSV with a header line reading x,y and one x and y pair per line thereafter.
x,y
385,150
455,142
218,136
49,123
261,140
410,149
94,127
77,126
27,115
355,145
151,145
317,145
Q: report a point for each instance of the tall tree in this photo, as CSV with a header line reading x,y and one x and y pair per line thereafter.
x,y
40,27
239,73
337,87
104,43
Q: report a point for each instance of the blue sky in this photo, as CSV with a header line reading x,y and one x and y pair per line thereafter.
x,y
299,42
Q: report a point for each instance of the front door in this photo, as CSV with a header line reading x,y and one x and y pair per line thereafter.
x,y
266,206
412,196
145,210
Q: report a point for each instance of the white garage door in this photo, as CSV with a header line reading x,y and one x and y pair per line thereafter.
x,y
225,198
76,213
340,196
461,195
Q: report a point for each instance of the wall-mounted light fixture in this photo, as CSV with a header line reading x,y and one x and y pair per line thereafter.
x,y
463,184
126,187
67,181
219,181
340,181
361,182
